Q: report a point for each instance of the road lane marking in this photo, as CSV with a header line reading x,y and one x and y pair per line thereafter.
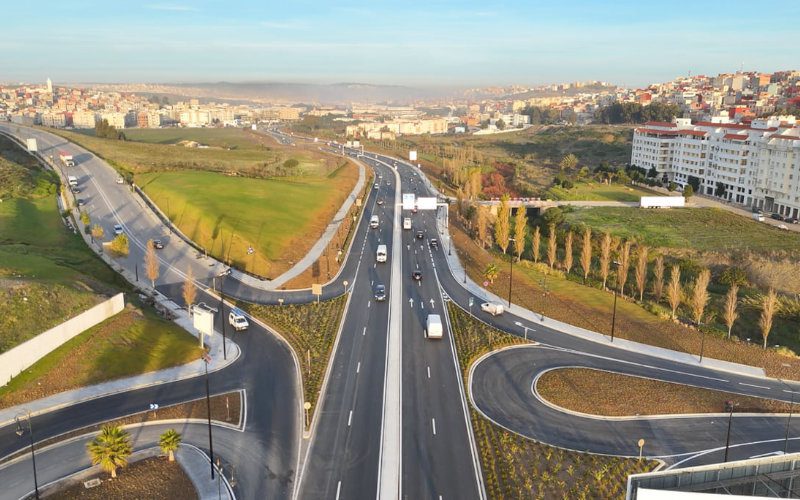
x,y
752,385
358,367
429,372
338,490
433,421
350,418
364,331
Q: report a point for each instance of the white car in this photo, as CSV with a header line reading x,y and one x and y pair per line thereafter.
x,y
118,230
492,308
237,320
120,180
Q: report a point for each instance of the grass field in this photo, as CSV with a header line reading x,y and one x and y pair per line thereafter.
x,y
132,342
279,218
517,467
596,191
612,394
695,228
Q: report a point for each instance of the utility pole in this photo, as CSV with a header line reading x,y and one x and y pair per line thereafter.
x,y
207,359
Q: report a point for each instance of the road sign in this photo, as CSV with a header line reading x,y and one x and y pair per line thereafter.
x,y
428,203
412,155
203,320
316,289
485,283
307,405
409,201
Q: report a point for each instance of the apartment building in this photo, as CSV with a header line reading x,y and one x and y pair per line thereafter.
x,y
399,127
84,119
754,164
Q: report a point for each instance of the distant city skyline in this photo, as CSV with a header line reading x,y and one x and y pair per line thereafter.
x,y
423,44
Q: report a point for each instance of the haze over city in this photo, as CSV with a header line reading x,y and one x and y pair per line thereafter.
x,y
436,44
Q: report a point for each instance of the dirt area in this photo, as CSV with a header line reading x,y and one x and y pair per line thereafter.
x,y
148,478
612,394
590,308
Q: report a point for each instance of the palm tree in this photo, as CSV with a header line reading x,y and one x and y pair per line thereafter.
x,y
169,443
111,449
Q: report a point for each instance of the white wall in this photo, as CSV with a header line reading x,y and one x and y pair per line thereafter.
x,y
21,357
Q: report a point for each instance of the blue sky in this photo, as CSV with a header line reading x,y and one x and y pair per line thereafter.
x,y
432,43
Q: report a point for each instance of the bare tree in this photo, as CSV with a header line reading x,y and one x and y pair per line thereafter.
x,y
641,269
189,289
482,225
700,295
502,226
151,263
586,253
729,312
520,231
624,266
674,292
658,278
605,257
568,252
768,308
552,245
536,243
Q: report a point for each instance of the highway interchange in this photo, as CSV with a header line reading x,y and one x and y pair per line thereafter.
x,y
392,420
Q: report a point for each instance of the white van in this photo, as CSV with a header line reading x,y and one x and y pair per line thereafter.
x,y
758,216
434,327
380,256
373,222
72,180
407,223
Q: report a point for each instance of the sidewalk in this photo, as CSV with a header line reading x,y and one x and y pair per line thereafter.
x,y
189,370
195,464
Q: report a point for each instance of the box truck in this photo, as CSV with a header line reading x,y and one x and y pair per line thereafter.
x,y
66,159
434,327
407,223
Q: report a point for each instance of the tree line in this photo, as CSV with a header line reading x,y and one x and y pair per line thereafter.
x,y
631,112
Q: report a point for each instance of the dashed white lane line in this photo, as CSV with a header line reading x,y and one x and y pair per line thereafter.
x,y
350,418
338,490
364,331
358,367
429,372
369,302
433,421
752,385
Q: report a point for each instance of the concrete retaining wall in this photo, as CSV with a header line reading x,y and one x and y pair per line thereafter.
x,y
21,357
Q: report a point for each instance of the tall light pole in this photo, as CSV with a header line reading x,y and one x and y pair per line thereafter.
x,y
510,274
731,406
222,275
207,360
20,431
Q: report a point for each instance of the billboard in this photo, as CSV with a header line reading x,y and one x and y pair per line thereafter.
x,y
203,320
412,155
409,200
426,203
31,143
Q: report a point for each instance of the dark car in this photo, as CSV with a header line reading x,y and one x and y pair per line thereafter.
x,y
75,189
417,275
158,244
380,293
777,216
420,235
81,202
791,220
434,243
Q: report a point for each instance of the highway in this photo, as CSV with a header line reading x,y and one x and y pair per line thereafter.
x,y
349,453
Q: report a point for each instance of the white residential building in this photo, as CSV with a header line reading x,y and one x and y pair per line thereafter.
x,y
84,119
756,164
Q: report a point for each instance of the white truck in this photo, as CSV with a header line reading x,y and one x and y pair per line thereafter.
x,y
237,319
434,326
407,223
66,159
380,255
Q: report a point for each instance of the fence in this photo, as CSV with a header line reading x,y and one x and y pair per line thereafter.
x,y
21,357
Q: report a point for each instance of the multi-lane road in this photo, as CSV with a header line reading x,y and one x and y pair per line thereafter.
x,y
392,420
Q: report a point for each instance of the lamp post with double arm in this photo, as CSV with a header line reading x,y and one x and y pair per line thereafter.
x,y
20,431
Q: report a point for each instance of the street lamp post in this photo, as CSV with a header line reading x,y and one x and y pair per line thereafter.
x,y
207,359
222,275
20,431
731,406
510,274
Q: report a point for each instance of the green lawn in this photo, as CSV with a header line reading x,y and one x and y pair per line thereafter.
x,y
693,228
596,191
227,138
132,342
279,218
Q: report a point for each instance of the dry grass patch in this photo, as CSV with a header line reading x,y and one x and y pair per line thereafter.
x,y
599,392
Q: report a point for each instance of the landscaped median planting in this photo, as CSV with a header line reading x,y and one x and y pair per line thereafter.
x,y
604,393
311,331
517,467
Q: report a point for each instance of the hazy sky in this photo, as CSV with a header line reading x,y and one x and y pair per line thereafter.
x,y
462,43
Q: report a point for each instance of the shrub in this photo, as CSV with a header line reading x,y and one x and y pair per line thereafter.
x,y
119,245
733,276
